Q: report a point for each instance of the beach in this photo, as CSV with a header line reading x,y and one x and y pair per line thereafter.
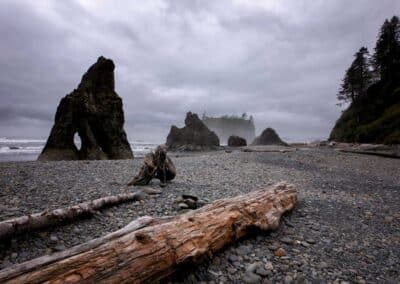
x,y
345,227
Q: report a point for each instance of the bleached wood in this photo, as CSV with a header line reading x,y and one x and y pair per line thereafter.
x,y
48,218
155,247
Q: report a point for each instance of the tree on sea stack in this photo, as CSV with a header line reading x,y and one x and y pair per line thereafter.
x,y
357,79
387,49
94,112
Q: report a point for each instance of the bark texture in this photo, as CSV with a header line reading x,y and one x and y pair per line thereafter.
x,y
46,218
150,249
156,165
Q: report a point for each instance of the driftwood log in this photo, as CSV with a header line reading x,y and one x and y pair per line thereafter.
x,y
150,249
48,218
392,154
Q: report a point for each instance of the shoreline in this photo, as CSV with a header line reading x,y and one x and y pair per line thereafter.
x,y
337,231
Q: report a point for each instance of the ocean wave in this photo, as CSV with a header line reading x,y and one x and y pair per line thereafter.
x,y
20,150
17,140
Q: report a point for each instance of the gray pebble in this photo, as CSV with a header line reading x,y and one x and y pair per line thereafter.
x,y
251,278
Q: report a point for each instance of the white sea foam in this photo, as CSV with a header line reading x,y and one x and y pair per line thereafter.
x,y
15,149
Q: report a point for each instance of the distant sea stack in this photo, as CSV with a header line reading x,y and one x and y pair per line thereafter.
x,y
269,137
236,141
195,135
93,111
226,126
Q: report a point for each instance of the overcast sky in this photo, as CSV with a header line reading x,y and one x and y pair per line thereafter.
x,y
280,61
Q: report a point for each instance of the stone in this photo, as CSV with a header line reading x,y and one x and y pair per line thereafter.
x,y
243,250
5,263
236,141
140,195
94,112
388,219
251,278
280,252
288,279
189,196
287,240
151,191
269,266
191,203
305,244
183,205
232,258
195,135
53,239
261,271
253,266
269,137
310,241
59,248
14,255
323,265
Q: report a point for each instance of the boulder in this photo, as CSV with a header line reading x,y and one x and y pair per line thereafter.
x,y
269,137
195,135
94,112
236,141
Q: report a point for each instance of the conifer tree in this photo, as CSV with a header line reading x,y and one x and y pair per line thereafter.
x,y
358,77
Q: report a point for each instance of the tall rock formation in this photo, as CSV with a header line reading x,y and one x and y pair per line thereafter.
x,y
94,111
194,136
269,137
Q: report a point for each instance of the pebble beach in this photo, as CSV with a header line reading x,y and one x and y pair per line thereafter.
x,y
344,229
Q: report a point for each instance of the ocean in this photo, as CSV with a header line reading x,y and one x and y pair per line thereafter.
x,y
26,149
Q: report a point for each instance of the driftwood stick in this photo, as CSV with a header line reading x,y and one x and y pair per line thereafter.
x,y
152,248
47,218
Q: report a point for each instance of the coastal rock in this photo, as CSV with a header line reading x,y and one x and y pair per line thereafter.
x,y
269,137
236,141
94,112
194,136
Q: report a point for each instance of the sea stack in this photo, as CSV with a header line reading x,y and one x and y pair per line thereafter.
x,y
236,141
93,111
269,137
195,135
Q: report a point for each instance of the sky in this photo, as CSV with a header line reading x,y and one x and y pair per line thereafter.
x,y
280,61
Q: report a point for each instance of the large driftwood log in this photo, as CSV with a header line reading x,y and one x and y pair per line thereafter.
x,y
49,218
150,249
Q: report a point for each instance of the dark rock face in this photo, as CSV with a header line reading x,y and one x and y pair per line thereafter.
x,y
269,137
94,111
194,136
236,141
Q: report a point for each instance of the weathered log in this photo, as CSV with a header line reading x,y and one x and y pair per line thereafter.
x,y
50,218
152,248
393,154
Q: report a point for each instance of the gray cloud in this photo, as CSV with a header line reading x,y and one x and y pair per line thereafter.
x,y
282,62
